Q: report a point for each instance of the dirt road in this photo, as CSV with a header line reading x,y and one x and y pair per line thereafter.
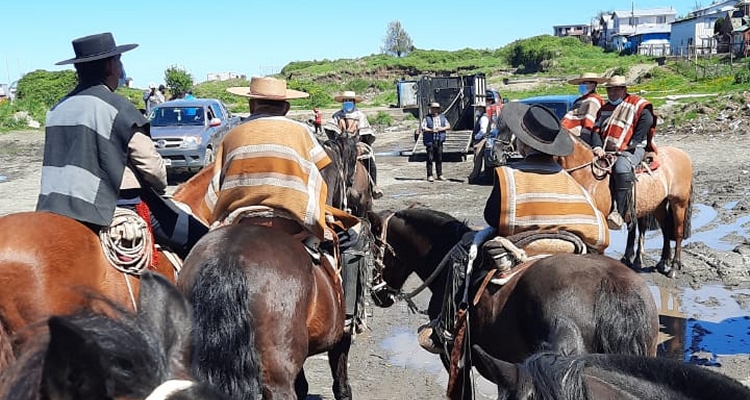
x,y
709,297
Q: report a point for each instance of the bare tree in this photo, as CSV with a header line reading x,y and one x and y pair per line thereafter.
x,y
396,40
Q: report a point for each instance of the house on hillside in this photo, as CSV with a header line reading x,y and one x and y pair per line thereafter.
x,y
600,26
695,33
224,76
740,39
580,31
627,25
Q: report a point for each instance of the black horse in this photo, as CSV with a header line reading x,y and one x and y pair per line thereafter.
x,y
347,178
117,355
609,303
606,376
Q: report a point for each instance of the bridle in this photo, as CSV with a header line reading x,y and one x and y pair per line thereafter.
x,y
599,171
379,285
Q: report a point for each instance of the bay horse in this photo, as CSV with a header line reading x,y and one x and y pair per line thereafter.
x,y
606,376
343,150
606,300
261,308
665,194
117,355
47,264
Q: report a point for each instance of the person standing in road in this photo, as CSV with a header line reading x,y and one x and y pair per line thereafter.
x,y
317,120
434,131
479,138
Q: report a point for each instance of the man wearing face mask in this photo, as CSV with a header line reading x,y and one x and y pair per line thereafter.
x,y
581,118
350,118
98,154
624,126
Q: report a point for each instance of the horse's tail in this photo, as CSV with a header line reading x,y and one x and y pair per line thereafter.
x,y
7,356
220,297
686,223
623,319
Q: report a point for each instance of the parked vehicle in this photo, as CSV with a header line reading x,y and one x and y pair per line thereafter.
x,y
560,104
187,132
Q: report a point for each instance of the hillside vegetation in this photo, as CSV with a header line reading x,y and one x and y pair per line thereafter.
x,y
548,59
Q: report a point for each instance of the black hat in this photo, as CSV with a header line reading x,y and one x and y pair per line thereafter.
x,y
538,127
96,47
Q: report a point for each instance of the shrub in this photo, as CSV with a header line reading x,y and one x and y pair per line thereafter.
x,y
380,119
46,87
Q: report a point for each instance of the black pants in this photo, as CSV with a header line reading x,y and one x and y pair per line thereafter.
x,y
317,127
435,154
370,162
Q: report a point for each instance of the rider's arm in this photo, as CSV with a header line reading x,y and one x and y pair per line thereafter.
x,y
644,123
147,162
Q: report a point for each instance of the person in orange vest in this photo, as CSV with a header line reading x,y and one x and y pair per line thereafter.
x,y
625,126
537,193
581,118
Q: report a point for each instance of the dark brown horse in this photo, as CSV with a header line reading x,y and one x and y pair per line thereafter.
x,y
90,355
606,376
347,170
665,194
47,264
609,303
261,308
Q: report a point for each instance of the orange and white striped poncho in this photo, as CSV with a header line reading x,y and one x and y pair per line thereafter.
x,y
617,126
271,161
536,196
583,114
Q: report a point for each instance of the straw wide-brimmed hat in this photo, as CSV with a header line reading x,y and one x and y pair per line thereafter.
x,y
587,77
347,94
96,47
267,89
616,81
538,127
434,105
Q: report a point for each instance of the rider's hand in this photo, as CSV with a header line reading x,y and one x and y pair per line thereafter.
x,y
598,151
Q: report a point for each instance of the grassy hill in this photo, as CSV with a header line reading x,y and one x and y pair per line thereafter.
x,y
542,62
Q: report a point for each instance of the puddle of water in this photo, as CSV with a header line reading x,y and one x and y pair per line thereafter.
x,y
703,215
392,153
404,351
701,325
3,178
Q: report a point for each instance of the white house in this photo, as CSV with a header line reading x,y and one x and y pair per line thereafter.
x,y
626,23
696,31
224,76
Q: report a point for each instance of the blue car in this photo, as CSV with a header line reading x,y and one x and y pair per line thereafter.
x,y
560,104
187,132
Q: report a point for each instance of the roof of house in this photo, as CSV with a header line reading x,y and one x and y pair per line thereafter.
x,y
644,12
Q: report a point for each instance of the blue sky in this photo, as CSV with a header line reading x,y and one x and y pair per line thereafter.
x,y
260,37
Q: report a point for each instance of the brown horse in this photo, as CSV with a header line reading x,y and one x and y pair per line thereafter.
x,y
665,195
343,150
191,192
261,308
609,303
47,265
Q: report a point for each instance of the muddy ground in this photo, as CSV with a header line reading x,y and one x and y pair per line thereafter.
x,y
386,362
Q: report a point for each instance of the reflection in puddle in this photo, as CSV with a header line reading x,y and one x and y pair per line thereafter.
x,y
700,325
3,178
703,216
404,351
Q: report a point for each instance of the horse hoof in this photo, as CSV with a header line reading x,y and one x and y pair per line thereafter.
x,y
672,273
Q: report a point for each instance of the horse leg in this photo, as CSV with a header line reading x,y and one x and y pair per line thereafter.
x,y
664,265
338,359
638,263
300,385
629,257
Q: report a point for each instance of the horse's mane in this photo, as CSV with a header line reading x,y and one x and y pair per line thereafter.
x,y
552,376
436,224
138,359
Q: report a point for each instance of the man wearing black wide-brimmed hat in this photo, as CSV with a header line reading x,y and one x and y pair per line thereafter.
x,y
98,153
536,193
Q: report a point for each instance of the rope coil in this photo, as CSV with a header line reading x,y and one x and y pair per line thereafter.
x,y
127,243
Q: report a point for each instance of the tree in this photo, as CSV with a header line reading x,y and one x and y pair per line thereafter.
x,y
396,40
178,81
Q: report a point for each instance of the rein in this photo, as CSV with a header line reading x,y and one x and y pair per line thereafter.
x,y
399,294
599,171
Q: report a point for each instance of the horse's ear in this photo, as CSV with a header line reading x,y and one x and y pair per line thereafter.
x,y
376,225
504,374
163,310
73,365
